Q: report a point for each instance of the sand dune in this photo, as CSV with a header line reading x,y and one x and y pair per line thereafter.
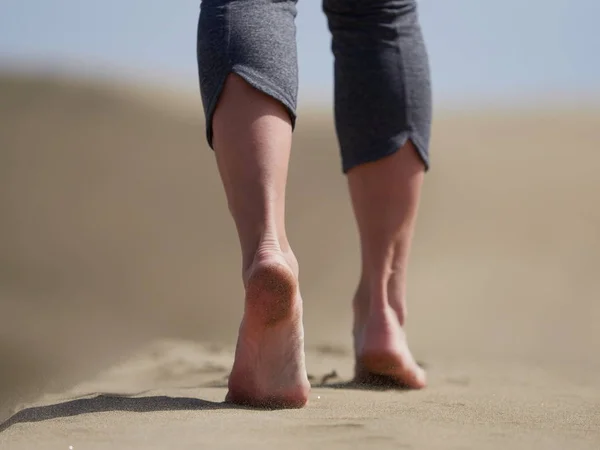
x,y
120,291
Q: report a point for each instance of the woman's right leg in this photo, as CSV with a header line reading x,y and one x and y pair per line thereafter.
x,y
248,79
383,116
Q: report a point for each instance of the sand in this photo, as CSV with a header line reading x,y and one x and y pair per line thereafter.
x,y
120,290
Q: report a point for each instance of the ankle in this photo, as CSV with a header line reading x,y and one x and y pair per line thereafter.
x,y
370,299
270,249
380,295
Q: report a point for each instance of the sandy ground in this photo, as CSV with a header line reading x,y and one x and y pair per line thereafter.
x,y
120,292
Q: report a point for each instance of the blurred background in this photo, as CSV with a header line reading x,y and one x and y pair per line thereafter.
x,y
114,229
489,53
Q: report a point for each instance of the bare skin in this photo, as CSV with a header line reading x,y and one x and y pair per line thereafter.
x,y
269,368
385,197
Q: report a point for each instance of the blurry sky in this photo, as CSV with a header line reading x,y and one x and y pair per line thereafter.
x,y
481,51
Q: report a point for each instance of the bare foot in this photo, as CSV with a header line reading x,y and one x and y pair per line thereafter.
x,y
269,369
381,350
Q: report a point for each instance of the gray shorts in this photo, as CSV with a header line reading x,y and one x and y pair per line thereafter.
x,y
382,80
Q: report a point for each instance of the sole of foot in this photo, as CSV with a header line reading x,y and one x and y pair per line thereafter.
x,y
383,357
269,369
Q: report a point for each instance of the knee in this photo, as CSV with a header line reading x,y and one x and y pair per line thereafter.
x,y
254,38
240,93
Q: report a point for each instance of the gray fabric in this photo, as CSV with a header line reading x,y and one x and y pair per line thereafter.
x,y
382,79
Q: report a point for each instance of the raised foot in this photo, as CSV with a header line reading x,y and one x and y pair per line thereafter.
x,y
269,369
383,356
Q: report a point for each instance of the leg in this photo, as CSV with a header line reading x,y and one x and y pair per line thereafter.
x,y
383,115
385,196
250,128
